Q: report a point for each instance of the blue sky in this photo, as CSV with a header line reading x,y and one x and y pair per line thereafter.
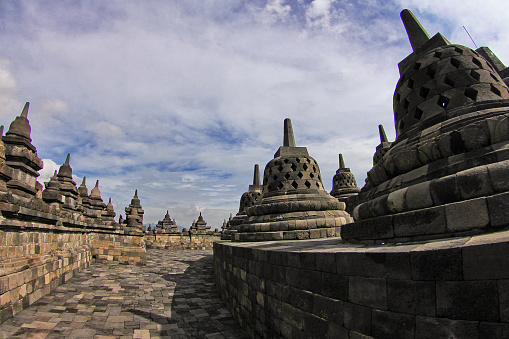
x,y
179,99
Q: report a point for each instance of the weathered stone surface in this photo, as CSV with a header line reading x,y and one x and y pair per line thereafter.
x,y
421,299
357,318
466,215
387,324
445,264
481,305
370,292
430,327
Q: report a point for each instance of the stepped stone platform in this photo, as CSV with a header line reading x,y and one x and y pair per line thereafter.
x,y
173,296
326,288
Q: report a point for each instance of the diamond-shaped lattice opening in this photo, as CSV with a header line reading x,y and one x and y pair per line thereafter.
x,y
424,92
308,160
270,170
401,125
431,73
398,97
448,81
437,55
495,90
274,177
287,176
300,175
476,75
406,103
279,185
298,160
318,185
443,101
471,93
314,168
417,66
294,167
311,175
458,50
410,83
308,184
286,161
455,62
494,77
305,167
280,168
295,185
477,62
418,113
319,177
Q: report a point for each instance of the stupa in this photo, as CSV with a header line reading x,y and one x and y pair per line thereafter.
x,y
135,204
446,173
343,183
67,185
166,225
248,199
96,202
294,204
199,227
21,156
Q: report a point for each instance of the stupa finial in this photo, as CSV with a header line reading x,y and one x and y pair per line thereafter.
x,y
83,181
289,139
256,177
341,161
1,130
416,33
67,159
383,136
97,183
24,113
136,193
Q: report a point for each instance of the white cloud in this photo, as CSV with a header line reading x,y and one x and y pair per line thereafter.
x,y
180,101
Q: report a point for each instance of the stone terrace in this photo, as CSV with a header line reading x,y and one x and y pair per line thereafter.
x,y
173,296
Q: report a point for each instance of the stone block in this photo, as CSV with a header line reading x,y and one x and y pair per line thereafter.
x,y
485,262
357,318
385,324
474,182
445,190
414,297
337,332
314,326
468,300
396,201
419,196
430,327
328,308
293,259
326,262
426,221
503,298
301,299
440,264
334,286
467,215
499,176
370,292
293,316
308,260
376,228
493,330
498,208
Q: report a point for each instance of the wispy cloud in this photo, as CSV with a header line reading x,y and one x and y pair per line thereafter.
x,y
179,99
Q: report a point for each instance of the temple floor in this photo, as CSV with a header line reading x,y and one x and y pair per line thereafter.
x,y
173,296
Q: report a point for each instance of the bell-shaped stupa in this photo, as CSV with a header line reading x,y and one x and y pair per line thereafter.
x,y
443,175
294,204
248,199
344,184
166,225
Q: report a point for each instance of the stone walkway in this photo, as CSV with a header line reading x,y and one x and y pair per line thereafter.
x,y
173,296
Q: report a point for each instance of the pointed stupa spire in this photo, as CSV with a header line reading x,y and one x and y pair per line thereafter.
x,y
83,181
416,33
383,136
136,193
67,159
97,183
288,139
1,130
341,161
256,176
24,113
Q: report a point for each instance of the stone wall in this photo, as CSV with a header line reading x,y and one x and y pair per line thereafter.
x,y
326,288
181,241
124,248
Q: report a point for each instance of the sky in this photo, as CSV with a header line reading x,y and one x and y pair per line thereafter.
x,y
180,98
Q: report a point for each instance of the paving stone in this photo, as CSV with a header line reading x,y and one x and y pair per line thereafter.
x,y
173,296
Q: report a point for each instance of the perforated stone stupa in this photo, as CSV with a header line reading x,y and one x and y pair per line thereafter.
x,y
294,204
199,227
166,226
343,182
248,199
446,172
